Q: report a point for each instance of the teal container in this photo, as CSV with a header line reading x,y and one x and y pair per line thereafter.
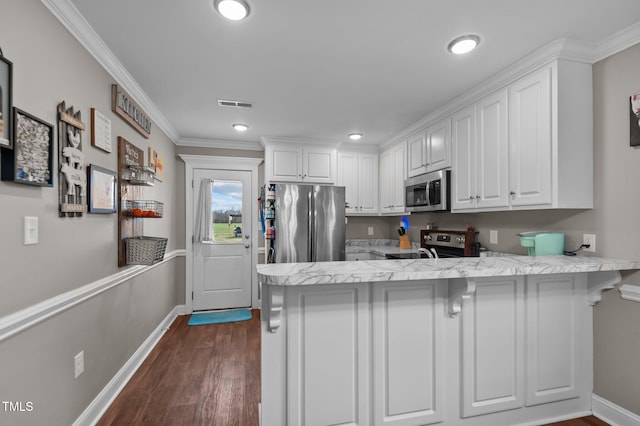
x,y
542,243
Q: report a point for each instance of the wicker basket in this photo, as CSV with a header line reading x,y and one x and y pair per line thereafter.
x,y
145,250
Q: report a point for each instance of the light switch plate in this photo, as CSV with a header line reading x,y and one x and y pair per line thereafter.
x,y
493,236
30,230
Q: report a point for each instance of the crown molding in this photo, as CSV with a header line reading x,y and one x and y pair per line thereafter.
x,y
617,42
222,144
630,292
264,140
71,18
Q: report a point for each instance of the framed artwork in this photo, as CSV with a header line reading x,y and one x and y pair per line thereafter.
x,y
6,80
31,161
634,117
102,189
100,130
156,162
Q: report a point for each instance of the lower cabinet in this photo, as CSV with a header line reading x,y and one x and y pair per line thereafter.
x,y
328,356
408,353
389,353
522,342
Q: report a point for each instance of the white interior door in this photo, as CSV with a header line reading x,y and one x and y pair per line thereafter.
x,y
222,268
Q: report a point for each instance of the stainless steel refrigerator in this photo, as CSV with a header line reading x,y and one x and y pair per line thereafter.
x,y
309,223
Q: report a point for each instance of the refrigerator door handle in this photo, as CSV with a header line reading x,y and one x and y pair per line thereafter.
x,y
311,228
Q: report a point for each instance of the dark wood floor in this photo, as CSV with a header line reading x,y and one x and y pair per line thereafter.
x,y
196,375
205,375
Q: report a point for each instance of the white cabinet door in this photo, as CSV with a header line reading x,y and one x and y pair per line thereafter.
x,y
407,353
438,145
386,172
530,139
284,163
463,138
492,156
368,183
493,347
399,176
328,355
319,165
555,312
290,162
348,177
358,173
393,173
417,154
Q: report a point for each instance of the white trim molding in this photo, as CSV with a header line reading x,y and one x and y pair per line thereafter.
x,y
192,162
71,18
612,413
223,144
19,321
630,292
92,414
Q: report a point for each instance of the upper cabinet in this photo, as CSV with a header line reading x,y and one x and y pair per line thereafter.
x,y
430,149
529,145
358,173
301,163
480,154
393,173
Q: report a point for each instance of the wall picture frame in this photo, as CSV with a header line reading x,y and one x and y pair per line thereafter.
x,y
6,119
31,160
634,120
102,191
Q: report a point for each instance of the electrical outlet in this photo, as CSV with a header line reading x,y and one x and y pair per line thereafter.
x,y
78,362
591,240
370,230
493,236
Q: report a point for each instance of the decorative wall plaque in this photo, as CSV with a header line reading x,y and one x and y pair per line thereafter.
x,y
72,190
124,106
100,130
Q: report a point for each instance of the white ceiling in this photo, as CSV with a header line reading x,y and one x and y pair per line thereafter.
x,y
323,69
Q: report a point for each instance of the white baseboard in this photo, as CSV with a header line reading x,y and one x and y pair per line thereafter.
x,y
99,405
612,413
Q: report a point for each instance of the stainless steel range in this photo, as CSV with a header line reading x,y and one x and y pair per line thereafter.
x,y
450,243
444,243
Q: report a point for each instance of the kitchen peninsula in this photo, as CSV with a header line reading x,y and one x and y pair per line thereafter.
x,y
470,341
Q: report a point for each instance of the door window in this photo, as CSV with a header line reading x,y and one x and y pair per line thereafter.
x,y
226,208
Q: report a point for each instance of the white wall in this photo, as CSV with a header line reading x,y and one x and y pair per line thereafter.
x,y
36,365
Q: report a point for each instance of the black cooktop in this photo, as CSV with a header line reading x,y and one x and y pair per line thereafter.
x,y
412,255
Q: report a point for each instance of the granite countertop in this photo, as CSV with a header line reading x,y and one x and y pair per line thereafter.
x,y
292,274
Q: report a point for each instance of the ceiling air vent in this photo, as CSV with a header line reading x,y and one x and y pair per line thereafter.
x,y
234,104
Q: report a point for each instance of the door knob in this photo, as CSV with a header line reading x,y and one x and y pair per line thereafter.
x,y
247,245
246,237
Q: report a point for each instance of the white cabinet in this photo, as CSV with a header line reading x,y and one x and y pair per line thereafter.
x,y
290,162
525,342
527,146
393,173
556,323
430,149
492,350
358,173
408,354
480,154
530,141
328,355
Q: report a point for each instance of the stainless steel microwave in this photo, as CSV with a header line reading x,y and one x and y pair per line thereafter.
x,y
428,192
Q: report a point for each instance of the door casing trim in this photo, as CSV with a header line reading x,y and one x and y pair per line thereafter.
x,y
212,162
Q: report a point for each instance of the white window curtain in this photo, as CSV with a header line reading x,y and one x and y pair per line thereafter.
x,y
204,217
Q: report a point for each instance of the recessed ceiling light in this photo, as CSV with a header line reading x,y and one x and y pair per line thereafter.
x,y
234,10
355,136
463,44
240,127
